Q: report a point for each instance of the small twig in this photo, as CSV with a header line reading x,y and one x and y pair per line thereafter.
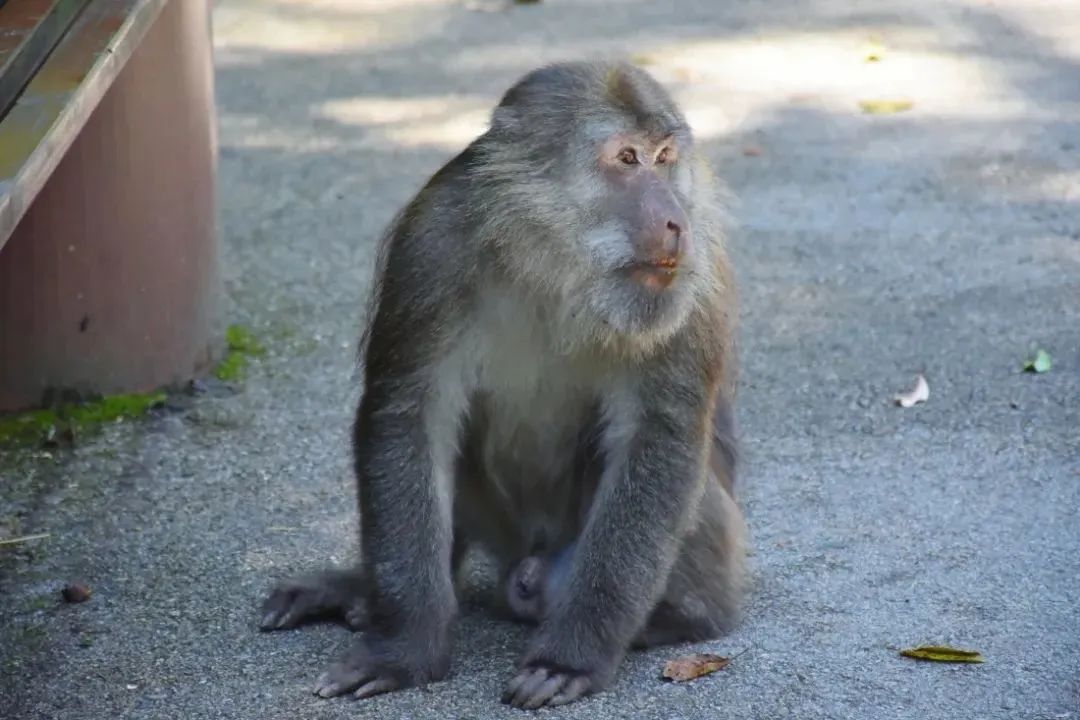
x,y
743,651
24,538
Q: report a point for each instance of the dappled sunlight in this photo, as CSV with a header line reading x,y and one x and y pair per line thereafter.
x,y
267,31
316,26
254,132
726,83
446,122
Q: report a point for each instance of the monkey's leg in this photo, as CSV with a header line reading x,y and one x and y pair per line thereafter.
x,y
328,594
704,590
705,587
336,594
404,474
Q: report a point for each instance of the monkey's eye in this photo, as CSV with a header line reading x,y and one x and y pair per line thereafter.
x,y
628,156
664,156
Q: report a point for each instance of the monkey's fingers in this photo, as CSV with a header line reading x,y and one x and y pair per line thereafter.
x,y
577,688
376,687
514,686
533,688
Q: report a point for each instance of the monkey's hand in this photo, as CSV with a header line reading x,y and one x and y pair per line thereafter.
x,y
376,664
331,593
539,684
565,662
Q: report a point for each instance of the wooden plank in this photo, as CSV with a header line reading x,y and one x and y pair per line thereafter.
x,y
29,30
46,118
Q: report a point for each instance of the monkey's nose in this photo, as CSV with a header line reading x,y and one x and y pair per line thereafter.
x,y
672,243
665,248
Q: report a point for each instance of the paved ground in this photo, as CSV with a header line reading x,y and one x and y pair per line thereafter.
x,y
944,240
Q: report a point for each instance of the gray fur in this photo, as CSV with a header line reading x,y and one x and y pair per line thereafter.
x,y
521,394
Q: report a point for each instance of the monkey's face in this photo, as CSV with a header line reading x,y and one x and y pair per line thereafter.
x,y
637,235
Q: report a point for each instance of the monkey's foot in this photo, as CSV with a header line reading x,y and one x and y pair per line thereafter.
x,y
537,686
334,593
370,667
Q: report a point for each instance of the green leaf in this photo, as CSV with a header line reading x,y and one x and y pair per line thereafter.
x,y
1041,363
943,653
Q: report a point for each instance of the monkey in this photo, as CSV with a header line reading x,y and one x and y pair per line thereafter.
x,y
548,363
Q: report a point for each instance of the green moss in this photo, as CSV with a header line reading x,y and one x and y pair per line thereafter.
x,y
242,345
26,427
233,367
242,340
78,418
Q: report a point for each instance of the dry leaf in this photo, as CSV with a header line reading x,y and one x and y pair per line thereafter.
x,y
884,106
689,667
920,393
873,51
942,653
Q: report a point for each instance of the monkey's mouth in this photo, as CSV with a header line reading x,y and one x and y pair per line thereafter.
x,y
652,276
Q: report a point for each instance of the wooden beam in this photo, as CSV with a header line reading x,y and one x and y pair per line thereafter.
x,y
46,118
29,30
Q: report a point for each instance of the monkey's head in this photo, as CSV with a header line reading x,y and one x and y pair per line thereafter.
x,y
592,167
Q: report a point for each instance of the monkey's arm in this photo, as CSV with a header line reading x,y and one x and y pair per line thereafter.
x,y
657,444
406,539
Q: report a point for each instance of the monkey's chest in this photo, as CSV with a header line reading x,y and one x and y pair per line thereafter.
x,y
530,458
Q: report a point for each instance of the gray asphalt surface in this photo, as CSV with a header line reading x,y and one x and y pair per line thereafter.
x,y
943,240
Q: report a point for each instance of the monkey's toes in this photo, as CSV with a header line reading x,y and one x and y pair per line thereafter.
x,y
288,605
307,598
536,687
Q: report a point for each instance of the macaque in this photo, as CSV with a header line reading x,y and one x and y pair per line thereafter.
x,y
549,374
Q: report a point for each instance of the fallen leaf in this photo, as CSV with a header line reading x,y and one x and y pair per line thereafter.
x,y
689,667
942,653
1041,363
76,593
873,51
885,106
752,151
920,393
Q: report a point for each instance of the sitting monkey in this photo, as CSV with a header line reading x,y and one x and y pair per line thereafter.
x,y
548,363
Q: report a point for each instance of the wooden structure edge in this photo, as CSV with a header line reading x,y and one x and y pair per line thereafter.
x,y
34,162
